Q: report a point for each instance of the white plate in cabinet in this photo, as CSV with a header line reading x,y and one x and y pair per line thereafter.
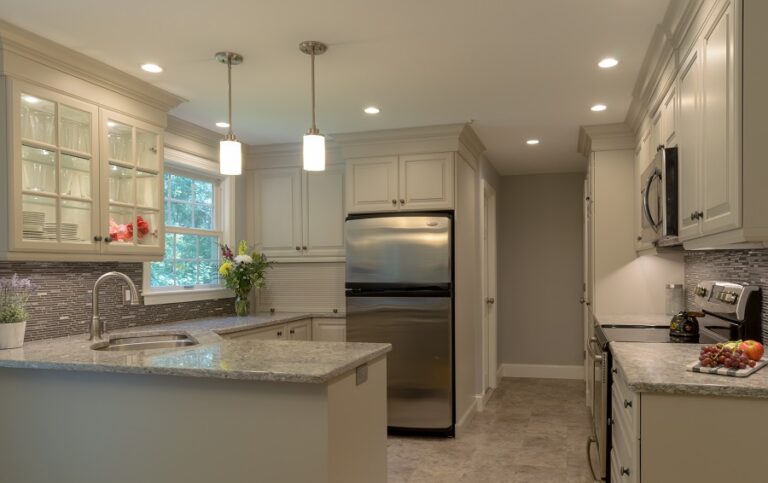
x,y
372,184
329,329
426,181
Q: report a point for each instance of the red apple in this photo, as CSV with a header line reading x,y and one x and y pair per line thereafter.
x,y
753,349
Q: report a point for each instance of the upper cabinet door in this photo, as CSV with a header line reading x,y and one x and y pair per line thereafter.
x,y
689,145
668,118
372,184
323,198
131,185
426,181
721,172
54,173
278,200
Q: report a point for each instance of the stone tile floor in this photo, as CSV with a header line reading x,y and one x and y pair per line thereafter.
x,y
533,430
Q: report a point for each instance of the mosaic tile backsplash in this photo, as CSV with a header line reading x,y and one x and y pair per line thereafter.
x,y
62,303
742,266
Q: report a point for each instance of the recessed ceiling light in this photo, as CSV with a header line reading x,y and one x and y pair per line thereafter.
x,y
532,142
153,68
599,107
608,62
372,110
30,99
222,124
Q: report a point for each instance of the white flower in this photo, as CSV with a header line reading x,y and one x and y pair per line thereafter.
x,y
243,259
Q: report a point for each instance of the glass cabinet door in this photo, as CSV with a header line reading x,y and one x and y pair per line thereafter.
x,y
56,177
132,157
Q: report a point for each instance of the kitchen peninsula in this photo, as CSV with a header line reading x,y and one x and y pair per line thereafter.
x,y
228,409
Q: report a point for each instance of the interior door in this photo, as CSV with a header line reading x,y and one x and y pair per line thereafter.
x,y
419,368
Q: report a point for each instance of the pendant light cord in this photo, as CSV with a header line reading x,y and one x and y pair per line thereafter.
x,y
229,100
314,125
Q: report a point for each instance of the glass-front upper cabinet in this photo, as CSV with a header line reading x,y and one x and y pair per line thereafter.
x,y
54,172
132,208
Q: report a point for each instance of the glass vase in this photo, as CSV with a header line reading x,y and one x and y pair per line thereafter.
x,y
242,305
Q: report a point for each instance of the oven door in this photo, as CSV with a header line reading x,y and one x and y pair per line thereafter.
x,y
651,201
597,444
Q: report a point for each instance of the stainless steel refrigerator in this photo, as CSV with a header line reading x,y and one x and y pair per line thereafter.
x,y
399,290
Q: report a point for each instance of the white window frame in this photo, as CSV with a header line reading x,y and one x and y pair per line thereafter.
x,y
179,161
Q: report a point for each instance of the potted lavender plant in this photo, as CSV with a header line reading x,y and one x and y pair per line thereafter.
x,y
14,293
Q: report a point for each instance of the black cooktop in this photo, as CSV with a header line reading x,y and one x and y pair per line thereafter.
x,y
653,333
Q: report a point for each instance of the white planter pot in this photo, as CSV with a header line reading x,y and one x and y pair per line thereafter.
x,y
12,335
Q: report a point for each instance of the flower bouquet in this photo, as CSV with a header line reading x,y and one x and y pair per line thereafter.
x,y
242,272
14,293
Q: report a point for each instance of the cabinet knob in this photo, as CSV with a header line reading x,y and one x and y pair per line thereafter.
x,y
402,201
659,147
97,238
624,471
639,238
298,248
491,300
697,215
394,202
279,333
107,239
292,332
304,248
627,404
614,371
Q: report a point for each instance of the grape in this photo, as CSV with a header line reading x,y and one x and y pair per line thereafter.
x,y
751,363
742,365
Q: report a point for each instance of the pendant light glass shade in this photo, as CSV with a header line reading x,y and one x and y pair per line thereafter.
x,y
314,152
230,157
314,142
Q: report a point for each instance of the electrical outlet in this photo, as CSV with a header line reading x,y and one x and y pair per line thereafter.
x,y
126,297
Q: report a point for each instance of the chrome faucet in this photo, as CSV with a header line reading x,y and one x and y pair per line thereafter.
x,y
97,329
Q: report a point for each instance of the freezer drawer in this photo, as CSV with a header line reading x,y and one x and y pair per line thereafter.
x,y
419,368
413,250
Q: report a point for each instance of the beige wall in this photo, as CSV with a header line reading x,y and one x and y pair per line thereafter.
x,y
540,269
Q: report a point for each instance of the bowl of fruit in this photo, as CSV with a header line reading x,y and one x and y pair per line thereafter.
x,y
734,358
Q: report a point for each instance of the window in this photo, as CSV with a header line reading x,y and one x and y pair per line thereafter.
x,y
198,217
192,236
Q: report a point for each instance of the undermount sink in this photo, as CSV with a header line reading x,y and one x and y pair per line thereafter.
x,y
136,342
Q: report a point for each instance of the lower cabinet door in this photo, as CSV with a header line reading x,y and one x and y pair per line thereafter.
x,y
301,330
267,333
329,330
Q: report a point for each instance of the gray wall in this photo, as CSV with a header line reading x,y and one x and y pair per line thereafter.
x,y
540,269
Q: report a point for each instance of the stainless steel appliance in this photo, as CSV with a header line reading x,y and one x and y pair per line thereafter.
x,y
399,290
659,199
732,311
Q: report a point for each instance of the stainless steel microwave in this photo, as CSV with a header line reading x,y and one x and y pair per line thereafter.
x,y
659,199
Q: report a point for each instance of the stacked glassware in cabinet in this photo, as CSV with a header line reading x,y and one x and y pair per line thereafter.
x,y
57,170
134,172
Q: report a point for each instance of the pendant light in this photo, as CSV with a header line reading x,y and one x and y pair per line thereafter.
x,y
314,142
230,149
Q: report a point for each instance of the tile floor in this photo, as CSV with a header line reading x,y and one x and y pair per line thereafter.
x,y
533,430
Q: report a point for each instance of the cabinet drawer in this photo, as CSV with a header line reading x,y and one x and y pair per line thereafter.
x,y
622,471
625,401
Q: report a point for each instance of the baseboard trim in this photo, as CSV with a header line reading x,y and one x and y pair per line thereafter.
x,y
466,418
542,371
482,399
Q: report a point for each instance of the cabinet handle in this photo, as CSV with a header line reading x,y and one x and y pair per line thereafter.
x,y
627,404
107,239
402,201
624,471
97,238
394,202
298,248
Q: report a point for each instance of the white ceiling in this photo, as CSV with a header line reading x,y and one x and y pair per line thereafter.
x,y
520,69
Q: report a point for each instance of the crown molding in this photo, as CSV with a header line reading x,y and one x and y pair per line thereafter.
x,y
605,137
50,54
192,131
444,131
472,141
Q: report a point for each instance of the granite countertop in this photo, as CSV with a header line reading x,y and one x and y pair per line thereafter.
x,y
214,357
661,368
637,319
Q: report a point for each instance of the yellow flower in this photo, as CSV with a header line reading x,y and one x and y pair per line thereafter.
x,y
225,268
242,247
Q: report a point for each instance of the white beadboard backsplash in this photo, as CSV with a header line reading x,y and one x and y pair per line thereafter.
x,y
304,287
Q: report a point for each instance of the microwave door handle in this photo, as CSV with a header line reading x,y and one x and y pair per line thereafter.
x,y
646,202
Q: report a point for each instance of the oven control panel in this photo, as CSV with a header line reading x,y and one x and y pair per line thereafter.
x,y
725,298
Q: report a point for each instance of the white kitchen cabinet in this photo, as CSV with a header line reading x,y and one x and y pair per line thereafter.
x,y
642,160
84,181
720,162
625,431
689,151
401,183
668,115
300,215
273,332
299,330
373,184
330,329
